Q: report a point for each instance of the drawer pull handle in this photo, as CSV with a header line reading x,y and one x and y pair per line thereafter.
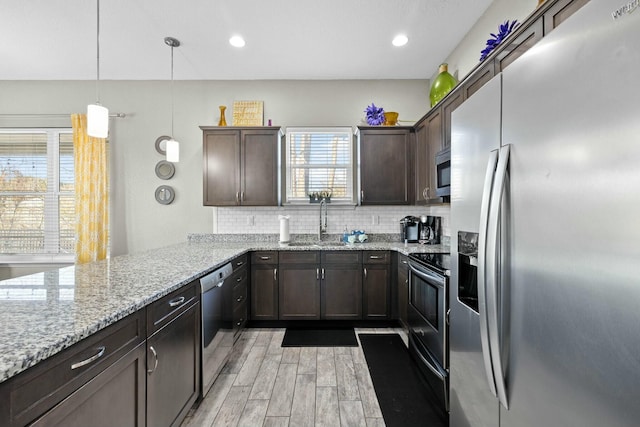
x,y
176,302
239,299
404,262
239,263
375,257
264,258
275,274
155,362
365,274
93,358
240,322
239,279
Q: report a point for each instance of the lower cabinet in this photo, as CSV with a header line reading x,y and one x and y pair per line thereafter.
x,y
299,285
68,387
403,289
264,285
376,275
173,362
116,397
341,286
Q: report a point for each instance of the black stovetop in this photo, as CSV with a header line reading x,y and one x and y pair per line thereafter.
x,y
440,262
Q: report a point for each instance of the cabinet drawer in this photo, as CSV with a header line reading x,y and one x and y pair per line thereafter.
x,y
305,257
376,257
341,257
36,390
240,293
264,257
238,278
239,262
168,307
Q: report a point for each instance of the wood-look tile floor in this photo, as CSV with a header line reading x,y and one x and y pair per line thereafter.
x,y
264,384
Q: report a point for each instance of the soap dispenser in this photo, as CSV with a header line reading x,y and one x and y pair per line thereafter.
x,y
345,235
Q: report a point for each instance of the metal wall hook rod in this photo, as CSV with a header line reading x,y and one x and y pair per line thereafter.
x,y
28,115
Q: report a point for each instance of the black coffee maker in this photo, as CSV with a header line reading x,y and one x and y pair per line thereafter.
x,y
429,230
409,229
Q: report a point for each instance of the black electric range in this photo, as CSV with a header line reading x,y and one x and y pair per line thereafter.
x,y
440,262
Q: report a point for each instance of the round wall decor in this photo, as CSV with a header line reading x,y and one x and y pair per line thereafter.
x,y
161,144
165,169
165,194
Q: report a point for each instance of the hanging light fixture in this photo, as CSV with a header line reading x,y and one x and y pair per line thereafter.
x,y
172,146
97,115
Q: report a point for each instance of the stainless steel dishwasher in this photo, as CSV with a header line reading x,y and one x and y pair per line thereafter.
x,y
217,327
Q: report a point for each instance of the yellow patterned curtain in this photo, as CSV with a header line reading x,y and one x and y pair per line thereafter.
x,y
91,191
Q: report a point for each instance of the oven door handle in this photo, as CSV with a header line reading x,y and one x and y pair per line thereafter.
x,y
431,363
433,278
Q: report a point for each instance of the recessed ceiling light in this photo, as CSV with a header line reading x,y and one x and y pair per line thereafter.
x,y
400,40
236,41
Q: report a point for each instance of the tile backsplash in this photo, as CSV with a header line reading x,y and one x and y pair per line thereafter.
x,y
304,219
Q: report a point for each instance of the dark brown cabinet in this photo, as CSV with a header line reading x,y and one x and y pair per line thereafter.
x,y
512,48
116,397
62,389
403,289
559,12
299,285
429,141
386,165
240,282
173,356
240,166
341,287
264,285
376,282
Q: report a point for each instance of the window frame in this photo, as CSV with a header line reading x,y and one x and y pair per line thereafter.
x,y
286,166
51,231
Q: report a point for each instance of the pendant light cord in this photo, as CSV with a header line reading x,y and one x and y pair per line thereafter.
x,y
98,52
172,95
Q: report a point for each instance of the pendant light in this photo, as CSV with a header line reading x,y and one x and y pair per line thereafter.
x,y
172,146
97,115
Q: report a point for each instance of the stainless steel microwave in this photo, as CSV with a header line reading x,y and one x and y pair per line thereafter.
x,y
443,173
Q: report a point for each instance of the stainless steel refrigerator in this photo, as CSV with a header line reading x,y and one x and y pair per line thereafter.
x,y
545,230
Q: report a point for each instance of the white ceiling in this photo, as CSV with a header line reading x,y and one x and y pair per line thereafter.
x,y
286,39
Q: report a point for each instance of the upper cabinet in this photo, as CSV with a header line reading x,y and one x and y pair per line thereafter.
x,y
240,166
386,165
433,131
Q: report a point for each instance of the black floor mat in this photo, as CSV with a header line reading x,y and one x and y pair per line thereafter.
x,y
305,337
405,399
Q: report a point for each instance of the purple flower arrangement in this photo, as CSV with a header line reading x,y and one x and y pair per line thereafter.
x,y
375,115
503,31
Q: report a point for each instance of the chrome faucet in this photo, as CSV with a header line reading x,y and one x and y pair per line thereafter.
x,y
322,228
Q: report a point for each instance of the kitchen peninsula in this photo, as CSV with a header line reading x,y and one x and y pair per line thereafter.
x,y
72,304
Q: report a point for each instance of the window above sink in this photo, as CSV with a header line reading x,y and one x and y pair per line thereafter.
x,y
319,160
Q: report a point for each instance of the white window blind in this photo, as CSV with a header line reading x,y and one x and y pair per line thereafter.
x,y
319,160
37,203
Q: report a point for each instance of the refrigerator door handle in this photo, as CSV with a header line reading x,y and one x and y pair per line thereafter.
x,y
482,239
492,272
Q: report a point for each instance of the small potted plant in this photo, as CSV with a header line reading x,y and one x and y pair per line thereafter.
x,y
318,196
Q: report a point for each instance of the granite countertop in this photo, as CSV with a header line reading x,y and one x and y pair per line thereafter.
x,y
44,313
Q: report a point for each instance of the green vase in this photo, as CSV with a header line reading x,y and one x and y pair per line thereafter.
x,y
442,85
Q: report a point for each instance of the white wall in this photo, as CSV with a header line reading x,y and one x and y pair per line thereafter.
x,y
138,221
467,54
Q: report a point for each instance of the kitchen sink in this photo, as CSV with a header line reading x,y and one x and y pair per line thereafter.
x,y
315,244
